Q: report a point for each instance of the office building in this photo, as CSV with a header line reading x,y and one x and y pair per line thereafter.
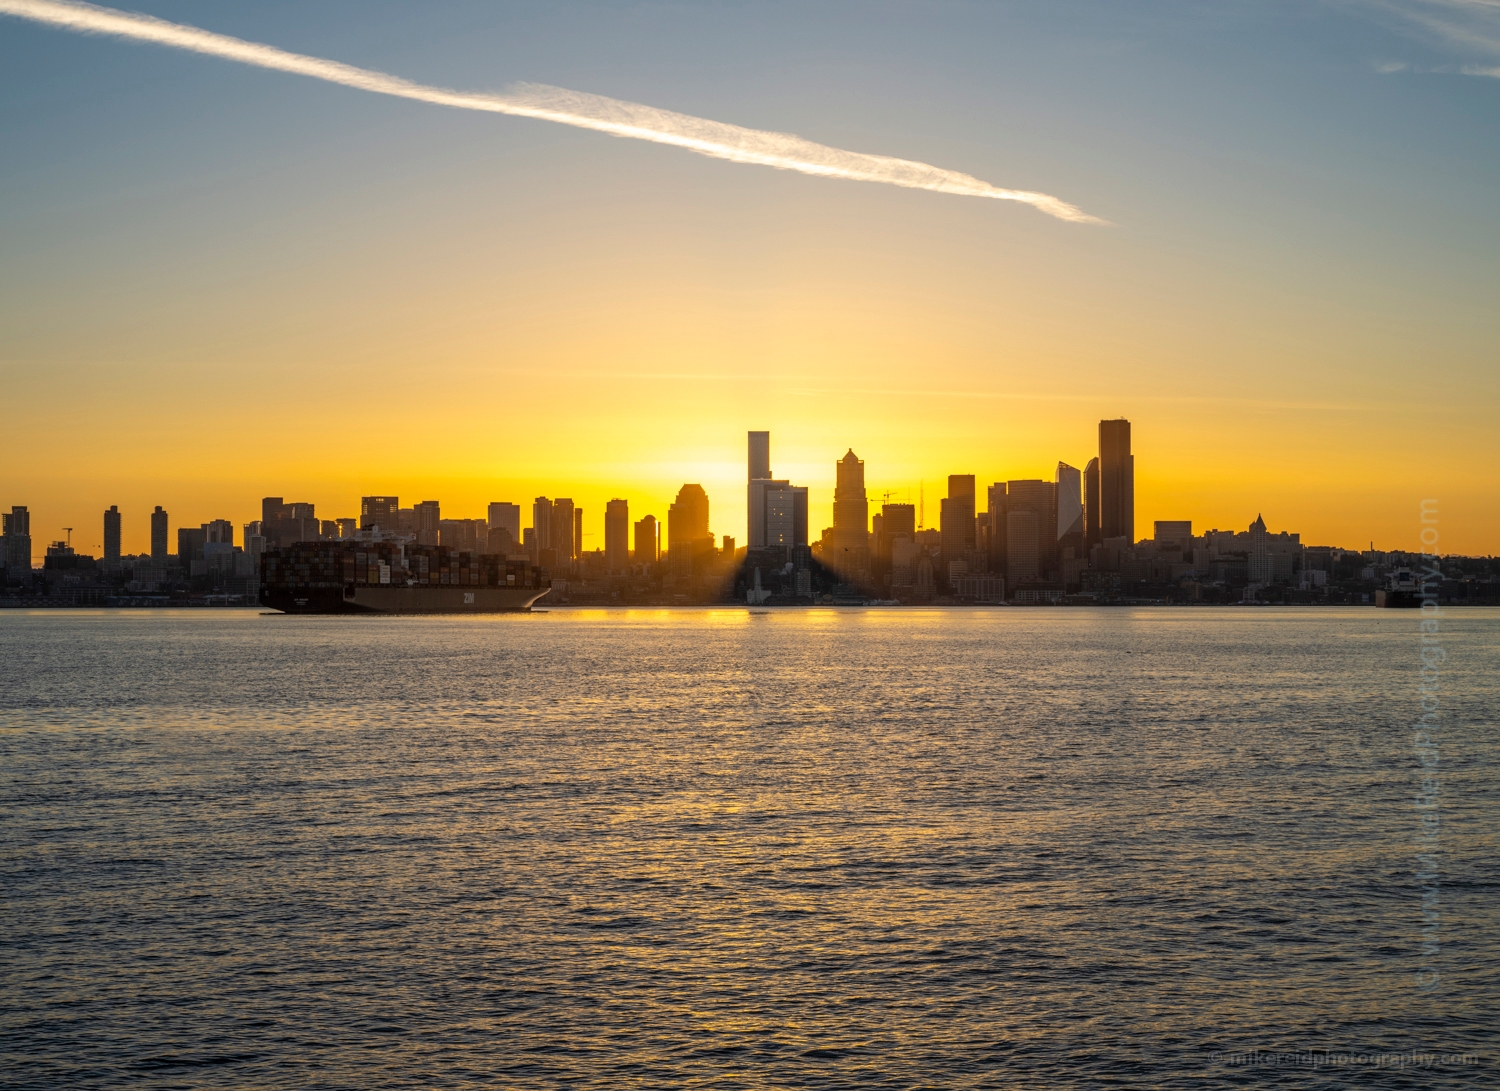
x,y
647,540
898,522
1069,485
1174,534
541,523
112,535
617,535
159,537
346,529
578,533
688,536
17,542
1030,529
562,534
428,517
507,517
1091,530
851,508
776,510
956,518
219,530
190,543
1116,481
467,535
376,511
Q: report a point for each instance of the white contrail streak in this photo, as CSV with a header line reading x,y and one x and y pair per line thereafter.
x,y
629,119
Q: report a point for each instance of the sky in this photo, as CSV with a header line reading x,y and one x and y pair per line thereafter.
x,y
219,282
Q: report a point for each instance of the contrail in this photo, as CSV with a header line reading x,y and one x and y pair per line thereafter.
x,y
606,115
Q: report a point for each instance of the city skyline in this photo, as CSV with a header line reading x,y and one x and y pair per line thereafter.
x,y
211,271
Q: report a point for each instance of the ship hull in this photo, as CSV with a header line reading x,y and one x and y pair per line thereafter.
x,y
355,599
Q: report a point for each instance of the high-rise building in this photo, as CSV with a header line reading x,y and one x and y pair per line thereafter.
x,y
1260,565
376,511
647,540
1091,535
273,508
17,539
1116,481
1030,529
159,535
1069,485
562,534
219,530
957,518
429,515
578,533
190,543
687,528
507,517
541,523
758,474
851,508
617,535
112,534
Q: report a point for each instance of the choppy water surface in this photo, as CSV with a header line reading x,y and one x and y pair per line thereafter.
x,y
1006,848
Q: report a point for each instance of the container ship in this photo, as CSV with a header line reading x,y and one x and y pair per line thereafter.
x,y
345,577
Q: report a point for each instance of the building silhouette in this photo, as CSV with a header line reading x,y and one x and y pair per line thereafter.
x,y
565,531
112,534
541,524
159,530
1091,530
503,516
374,511
776,510
647,540
956,519
687,529
617,535
1030,530
851,508
429,517
17,540
1116,481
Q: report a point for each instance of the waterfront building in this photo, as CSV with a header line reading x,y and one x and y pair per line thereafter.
x,y
1116,481
617,535
1030,529
851,508
112,535
1174,534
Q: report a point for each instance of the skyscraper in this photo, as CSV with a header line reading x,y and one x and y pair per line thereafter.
x,y
1091,536
1030,529
851,508
647,540
381,511
617,535
957,517
1116,481
429,513
17,537
1069,484
507,517
776,510
159,551
541,523
687,528
562,535
112,534
760,455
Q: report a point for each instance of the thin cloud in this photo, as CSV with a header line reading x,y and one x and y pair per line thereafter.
x,y
1464,26
613,116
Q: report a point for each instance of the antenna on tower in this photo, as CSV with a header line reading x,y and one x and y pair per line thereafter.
x,y
70,536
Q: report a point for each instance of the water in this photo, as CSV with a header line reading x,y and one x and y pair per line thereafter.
x,y
1004,848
